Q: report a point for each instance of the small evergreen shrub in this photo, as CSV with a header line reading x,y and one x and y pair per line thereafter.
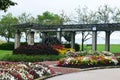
x,y
7,46
35,50
51,41
77,46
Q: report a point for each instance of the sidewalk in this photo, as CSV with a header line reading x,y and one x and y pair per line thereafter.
x,y
101,74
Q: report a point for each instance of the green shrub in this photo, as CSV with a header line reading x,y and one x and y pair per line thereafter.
x,y
31,58
7,46
51,41
77,46
10,46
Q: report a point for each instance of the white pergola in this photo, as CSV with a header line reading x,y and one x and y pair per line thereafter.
x,y
107,28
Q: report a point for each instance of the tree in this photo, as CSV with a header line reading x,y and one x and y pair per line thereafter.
x,y
67,36
116,15
4,4
26,18
48,18
65,20
105,14
7,29
85,17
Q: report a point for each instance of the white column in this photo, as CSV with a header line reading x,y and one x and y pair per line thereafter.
x,y
73,39
107,41
94,40
17,39
59,34
30,38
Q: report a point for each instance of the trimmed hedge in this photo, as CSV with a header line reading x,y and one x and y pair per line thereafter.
x,y
77,46
35,50
10,46
7,46
31,58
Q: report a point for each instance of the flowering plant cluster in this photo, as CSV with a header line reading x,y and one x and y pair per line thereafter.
x,y
22,71
62,50
73,59
118,58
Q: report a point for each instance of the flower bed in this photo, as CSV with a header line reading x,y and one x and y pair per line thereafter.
x,y
61,49
101,59
23,71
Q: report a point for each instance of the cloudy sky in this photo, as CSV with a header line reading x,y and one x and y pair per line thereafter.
x,y
35,7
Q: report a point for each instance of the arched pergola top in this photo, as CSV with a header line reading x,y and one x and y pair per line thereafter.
x,y
71,27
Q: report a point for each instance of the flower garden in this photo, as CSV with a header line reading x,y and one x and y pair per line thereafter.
x,y
35,70
89,59
23,71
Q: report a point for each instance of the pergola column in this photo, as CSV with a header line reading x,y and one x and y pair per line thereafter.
x,y
59,35
17,39
107,40
44,35
73,39
94,40
30,38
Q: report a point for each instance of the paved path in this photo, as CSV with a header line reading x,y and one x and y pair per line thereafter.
x,y
101,74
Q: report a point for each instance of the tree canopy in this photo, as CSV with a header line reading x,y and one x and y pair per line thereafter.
x,y
6,29
4,4
48,18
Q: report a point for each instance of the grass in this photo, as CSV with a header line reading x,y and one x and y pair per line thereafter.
x,y
4,53
114,48
8,56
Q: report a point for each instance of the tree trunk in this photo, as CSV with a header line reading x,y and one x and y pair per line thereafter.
x,y
8,39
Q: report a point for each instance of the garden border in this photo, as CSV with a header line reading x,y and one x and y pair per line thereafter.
x,y
80,70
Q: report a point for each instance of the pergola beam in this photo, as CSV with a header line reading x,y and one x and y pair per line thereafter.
x,y
107,27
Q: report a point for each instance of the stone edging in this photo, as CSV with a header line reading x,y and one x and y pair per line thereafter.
x,y
80,70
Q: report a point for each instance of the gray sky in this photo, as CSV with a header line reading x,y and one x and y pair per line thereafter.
x,y
36,7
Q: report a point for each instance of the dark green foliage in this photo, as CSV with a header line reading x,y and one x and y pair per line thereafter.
x,y
35,50
51,41
7,46
77,46
4,4
48,18
10,45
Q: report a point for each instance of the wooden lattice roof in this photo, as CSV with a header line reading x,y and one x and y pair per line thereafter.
x,y
71,27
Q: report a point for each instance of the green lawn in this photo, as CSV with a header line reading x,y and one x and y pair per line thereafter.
x,y
7,55
115,48
4,53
